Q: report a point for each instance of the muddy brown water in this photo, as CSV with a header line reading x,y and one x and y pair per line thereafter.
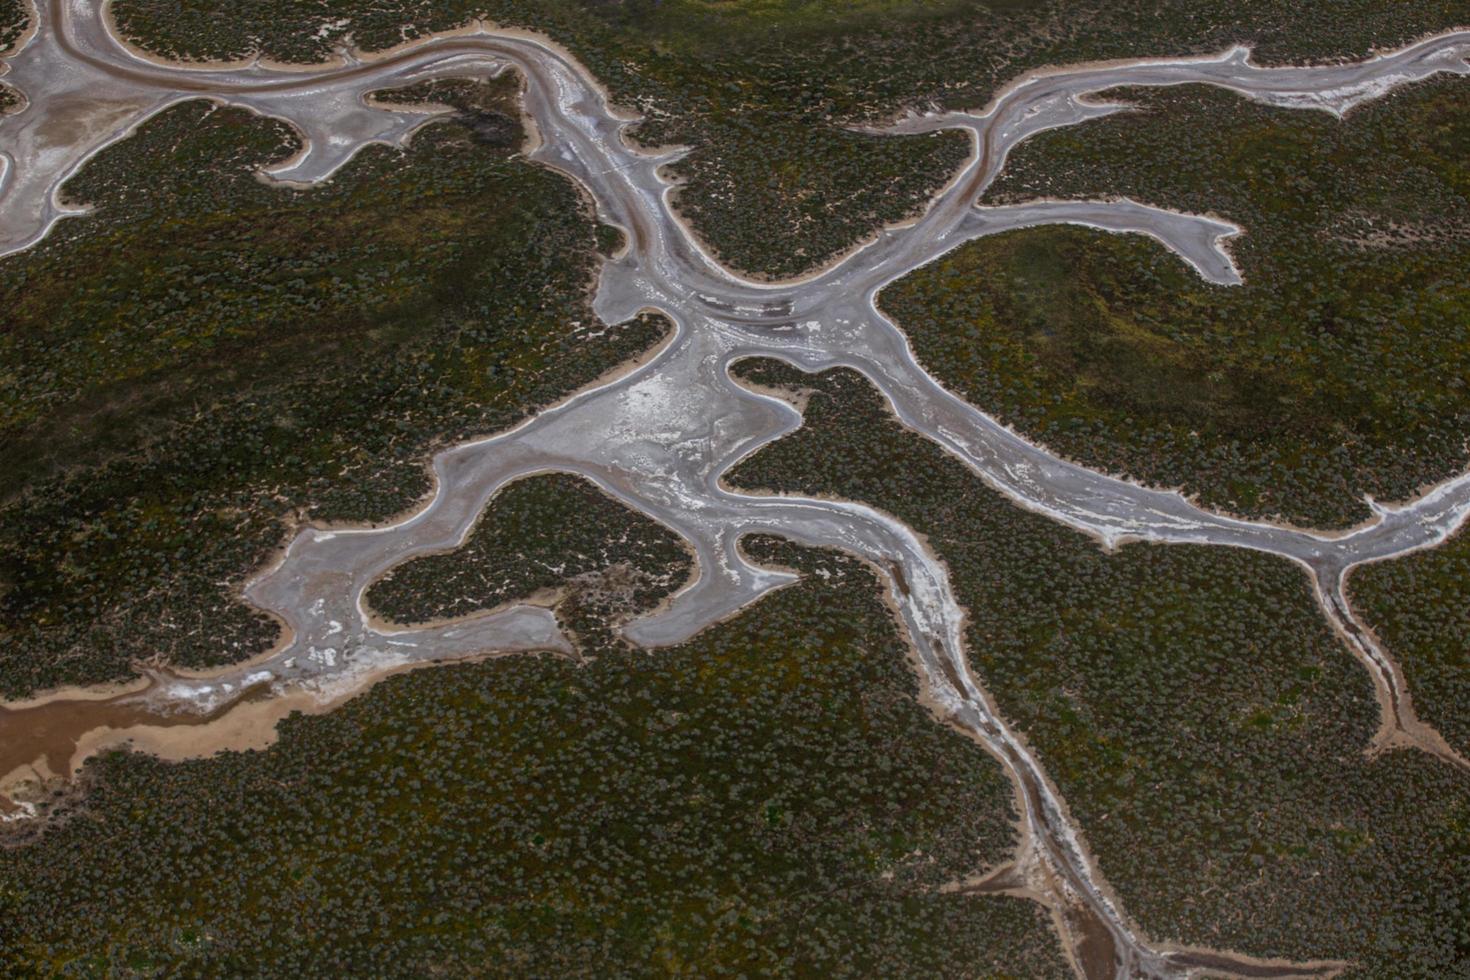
x,y
46,739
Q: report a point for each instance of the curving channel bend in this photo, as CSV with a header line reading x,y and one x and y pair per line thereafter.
x,y
660,436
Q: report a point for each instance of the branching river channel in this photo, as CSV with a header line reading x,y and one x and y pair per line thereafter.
x,y
660,436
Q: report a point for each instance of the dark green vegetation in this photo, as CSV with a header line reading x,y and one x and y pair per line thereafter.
x,y
552,531
768,798
488,107
13,21
206,358
764,89
1203,723
1419,606
1342,366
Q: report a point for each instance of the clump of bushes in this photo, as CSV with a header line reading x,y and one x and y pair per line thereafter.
x,y
13,21
550,531
1419,606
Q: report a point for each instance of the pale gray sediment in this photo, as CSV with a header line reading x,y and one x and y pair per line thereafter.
x,y
660,437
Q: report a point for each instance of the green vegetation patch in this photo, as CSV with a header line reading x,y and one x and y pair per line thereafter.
x,y
206,359
1203,723
768,798
14,18
552,531
1419,607
1341,367
765,88
489,108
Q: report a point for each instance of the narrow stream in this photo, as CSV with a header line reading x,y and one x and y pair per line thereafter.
x,y
660,437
